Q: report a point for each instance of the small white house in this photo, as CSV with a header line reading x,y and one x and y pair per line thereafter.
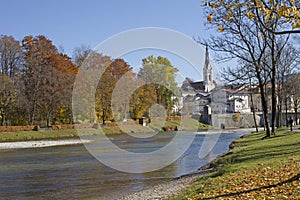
x,y
238,101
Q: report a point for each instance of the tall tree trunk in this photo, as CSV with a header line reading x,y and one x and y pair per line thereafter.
x,y
265,113
32,114
273,84
264,102
103,117
296,111
279,115
296,116
3,119
286,113
253,111
48,118
274,102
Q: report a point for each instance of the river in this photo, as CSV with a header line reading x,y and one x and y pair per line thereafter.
x,y
71,172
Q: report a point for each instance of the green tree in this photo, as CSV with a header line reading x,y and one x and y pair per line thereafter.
x,y
161,73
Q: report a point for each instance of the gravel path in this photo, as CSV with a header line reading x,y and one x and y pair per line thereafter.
x,y
167,189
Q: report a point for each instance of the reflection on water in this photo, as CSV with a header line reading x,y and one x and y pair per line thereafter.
x,y
70,172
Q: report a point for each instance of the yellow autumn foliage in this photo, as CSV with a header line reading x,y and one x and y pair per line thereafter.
x,y
268,9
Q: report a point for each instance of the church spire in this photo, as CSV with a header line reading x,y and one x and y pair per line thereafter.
x,y
207,72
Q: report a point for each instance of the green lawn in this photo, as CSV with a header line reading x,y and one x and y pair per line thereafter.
x,y
191,124
40,135
63,134
255,168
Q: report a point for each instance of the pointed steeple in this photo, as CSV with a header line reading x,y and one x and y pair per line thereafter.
x,y
207,72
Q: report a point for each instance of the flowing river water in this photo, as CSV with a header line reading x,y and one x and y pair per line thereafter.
x,y
70,172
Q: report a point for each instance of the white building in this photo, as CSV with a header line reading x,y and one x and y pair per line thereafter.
x,y
238,102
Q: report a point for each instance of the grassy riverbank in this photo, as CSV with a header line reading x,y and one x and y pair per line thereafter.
x,y
254,168
64,134
72,133
189,124
40,135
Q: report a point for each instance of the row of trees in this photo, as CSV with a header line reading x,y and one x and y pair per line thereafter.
x,y
257,34
36,83
120,93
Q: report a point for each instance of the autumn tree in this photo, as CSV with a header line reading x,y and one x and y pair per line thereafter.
x,y
161,74
142,100
244,36
10,66
56,97
37,53
240,39
80,54
286,13
125,83
96,63
8,96
48,77
114,71
104,95
10,56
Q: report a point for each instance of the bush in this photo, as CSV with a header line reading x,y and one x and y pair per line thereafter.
x,y
16,128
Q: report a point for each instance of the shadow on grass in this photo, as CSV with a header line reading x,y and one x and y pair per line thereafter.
x,y
261,155
295,178
271,147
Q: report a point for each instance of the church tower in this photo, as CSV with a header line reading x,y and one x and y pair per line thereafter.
x,y
207,73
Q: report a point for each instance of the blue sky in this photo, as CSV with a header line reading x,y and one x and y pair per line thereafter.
x,y
72,23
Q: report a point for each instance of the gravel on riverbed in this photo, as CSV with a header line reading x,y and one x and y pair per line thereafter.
x,y
41,143
169,188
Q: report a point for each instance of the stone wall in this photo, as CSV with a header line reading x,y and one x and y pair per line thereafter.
x,y
234,120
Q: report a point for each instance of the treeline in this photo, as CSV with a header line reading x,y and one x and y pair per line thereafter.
x,y
36,83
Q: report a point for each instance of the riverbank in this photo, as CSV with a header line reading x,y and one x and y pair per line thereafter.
x,y
253,168
169,188
20,136
23,136
35,139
